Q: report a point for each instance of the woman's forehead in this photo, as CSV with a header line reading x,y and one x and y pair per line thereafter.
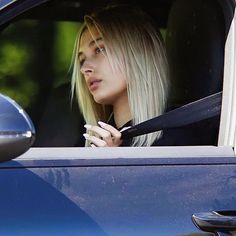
x,y
89,35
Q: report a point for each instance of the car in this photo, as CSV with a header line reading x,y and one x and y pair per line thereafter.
x,y
52,185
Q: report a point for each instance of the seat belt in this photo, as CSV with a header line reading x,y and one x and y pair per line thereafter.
x,y
201,109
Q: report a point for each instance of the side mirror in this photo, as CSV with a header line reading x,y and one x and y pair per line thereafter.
x,y
17,132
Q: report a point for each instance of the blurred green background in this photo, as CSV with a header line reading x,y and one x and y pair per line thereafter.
x,y
35,57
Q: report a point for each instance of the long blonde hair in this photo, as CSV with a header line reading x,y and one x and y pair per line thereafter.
x,y
134,48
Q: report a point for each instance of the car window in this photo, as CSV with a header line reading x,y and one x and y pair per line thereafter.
x,y
35,57
23,55
35,72
32,64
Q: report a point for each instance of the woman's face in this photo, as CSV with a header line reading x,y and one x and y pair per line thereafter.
x,y
105,86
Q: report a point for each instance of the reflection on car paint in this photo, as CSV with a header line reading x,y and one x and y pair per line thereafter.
x,y
5,3
134,200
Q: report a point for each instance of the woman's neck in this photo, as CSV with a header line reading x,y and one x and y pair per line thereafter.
x,y
121,111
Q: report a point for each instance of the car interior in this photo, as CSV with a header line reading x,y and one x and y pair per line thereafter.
x,y
194,32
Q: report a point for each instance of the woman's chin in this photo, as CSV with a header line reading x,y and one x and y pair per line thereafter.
x,y
102,100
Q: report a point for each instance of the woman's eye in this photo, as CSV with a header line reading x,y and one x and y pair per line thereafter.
x,y
100,49
81,62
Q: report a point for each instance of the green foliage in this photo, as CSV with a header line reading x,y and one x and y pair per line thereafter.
x,y
22,56
14,79
63,47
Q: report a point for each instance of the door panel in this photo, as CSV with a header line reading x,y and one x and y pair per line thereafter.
x,y
120,200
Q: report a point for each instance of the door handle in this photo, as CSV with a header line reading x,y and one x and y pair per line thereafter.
x,y
218,222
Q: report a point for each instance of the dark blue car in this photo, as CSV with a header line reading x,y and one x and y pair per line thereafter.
x,y
52,185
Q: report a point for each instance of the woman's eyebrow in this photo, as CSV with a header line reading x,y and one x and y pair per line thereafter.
x,y
91,44
95,41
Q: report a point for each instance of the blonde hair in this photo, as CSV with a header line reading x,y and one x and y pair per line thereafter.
x,y
134,48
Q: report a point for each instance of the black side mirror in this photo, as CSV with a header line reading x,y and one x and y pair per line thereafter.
x,y
17,132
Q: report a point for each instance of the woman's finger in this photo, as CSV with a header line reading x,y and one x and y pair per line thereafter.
x,y
125,128
114,132
110,135
95,140
104,134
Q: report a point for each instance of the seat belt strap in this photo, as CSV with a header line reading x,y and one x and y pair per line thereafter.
x,y
201,109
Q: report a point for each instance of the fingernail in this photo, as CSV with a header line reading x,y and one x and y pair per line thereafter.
x,y
102,124
86,136
88,126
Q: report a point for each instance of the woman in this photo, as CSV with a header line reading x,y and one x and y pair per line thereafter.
x,y
119,76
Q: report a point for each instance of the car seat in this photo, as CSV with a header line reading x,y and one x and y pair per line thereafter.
x,y
62,124
195,40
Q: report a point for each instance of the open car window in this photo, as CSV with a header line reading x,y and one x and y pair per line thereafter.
x,y
35,71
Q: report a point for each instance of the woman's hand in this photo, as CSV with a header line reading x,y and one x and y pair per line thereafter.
x,y
108,136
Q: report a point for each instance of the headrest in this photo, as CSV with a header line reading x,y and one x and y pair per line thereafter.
x,y
195,40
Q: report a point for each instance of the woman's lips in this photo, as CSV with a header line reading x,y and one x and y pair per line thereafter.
x,y
93,85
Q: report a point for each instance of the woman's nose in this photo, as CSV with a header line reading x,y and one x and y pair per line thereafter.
x,y
87,69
